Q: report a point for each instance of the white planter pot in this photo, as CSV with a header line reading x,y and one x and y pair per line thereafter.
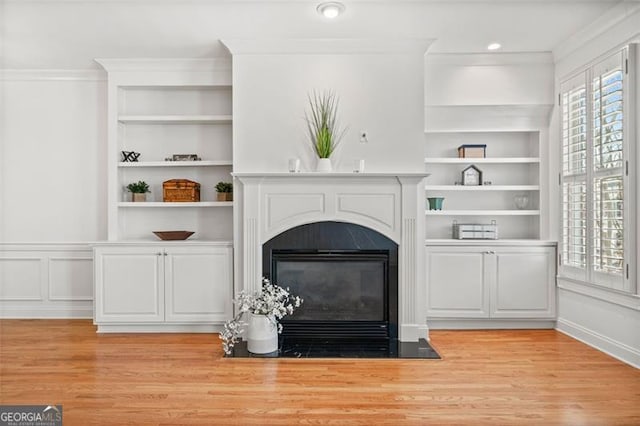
x,y
262,335
324,165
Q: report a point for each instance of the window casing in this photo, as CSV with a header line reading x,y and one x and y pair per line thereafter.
x,y
597,226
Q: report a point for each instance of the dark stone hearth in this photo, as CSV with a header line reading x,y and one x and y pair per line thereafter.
x,y
340,348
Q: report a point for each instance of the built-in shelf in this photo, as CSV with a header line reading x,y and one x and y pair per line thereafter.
x,y
175,119
482,187
156,204
495,160
482,212
203,163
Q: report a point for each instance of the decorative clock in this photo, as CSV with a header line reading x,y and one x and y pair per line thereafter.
x,y
472,176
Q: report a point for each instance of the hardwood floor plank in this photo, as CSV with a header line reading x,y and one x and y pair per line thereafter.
x,y
497,377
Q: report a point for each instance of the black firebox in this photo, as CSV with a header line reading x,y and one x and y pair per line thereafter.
x,y
347,275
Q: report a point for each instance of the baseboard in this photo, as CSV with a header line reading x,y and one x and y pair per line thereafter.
x,y
12,312
609,346
413,332
159,328
480,324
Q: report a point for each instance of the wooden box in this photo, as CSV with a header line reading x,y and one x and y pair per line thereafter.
x,y
180,190
472,151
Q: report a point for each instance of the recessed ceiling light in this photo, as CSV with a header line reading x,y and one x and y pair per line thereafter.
x,y
494,46
330,9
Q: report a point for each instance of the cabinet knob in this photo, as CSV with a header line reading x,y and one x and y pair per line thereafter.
x,y
159,254
165,253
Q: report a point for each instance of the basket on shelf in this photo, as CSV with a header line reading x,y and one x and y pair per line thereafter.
x,y
180,190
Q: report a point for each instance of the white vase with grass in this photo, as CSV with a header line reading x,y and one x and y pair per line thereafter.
x,y
324,131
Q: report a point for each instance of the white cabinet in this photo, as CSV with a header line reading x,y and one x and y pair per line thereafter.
x,y
491,282
162,284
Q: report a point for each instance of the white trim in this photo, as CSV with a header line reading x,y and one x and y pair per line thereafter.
x,y
605,294
595,29
159,328
488,59
44,246
326,46
489,324
51,75
78,310
611,347
220,63
502,242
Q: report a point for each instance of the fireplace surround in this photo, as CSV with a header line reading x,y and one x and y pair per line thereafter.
x,y
391,204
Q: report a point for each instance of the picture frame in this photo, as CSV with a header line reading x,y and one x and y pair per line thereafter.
x,y
185,157
472,176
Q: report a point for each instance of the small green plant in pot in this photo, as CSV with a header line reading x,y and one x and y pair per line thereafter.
x,y
225,191
322,124
138,190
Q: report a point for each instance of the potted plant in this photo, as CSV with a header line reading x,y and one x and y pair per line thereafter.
x,y
225,191
322,125
264,308
138,190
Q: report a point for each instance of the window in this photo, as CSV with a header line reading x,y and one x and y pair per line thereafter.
x,y
596,225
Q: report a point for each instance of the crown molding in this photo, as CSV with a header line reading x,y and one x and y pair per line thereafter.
x,y
165,64
347,46
595,29
51,75
489,59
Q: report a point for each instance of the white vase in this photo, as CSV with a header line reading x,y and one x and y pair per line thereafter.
x,y
262,335
324,165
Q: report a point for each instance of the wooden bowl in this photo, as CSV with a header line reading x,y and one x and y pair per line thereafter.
x,y
173,235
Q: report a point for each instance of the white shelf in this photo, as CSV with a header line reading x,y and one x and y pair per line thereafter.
x,y
495,160
482,187
157,204
482,212
175,119
206,163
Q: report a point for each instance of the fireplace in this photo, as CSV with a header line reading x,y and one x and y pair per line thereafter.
x,y
346,273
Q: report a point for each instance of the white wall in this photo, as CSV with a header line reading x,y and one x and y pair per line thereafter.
x,y
379,92
605,319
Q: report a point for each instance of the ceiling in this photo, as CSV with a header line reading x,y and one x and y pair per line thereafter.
x,y
70,33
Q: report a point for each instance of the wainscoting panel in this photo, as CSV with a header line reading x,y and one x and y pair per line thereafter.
x,y
46,280
21,278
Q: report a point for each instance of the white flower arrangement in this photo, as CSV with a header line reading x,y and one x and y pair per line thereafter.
x,y
272,301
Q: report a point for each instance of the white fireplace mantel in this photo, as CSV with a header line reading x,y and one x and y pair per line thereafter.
x,y
389,203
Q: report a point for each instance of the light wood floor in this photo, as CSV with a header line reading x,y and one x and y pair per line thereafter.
x,y
485,377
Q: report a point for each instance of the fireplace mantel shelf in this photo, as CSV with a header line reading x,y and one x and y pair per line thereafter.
x,y
329,175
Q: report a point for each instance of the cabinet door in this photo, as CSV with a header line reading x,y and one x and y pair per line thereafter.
x,y
198,284
457,283
129,285
525,283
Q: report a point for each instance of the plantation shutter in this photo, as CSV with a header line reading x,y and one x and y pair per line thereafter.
x,y
597,224
574,177
608,170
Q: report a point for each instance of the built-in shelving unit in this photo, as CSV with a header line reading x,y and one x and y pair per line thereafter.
x,y
162,108
510,169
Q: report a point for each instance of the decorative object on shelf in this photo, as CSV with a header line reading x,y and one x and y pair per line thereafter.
x,y
225,191
487,182
358,166
130,156
265,308
324,130
475,231
472,151
183,157
521,201
138,191
180,190
294,165
472,176
173,235
435,203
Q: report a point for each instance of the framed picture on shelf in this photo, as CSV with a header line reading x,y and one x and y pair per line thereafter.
x,y
472,176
